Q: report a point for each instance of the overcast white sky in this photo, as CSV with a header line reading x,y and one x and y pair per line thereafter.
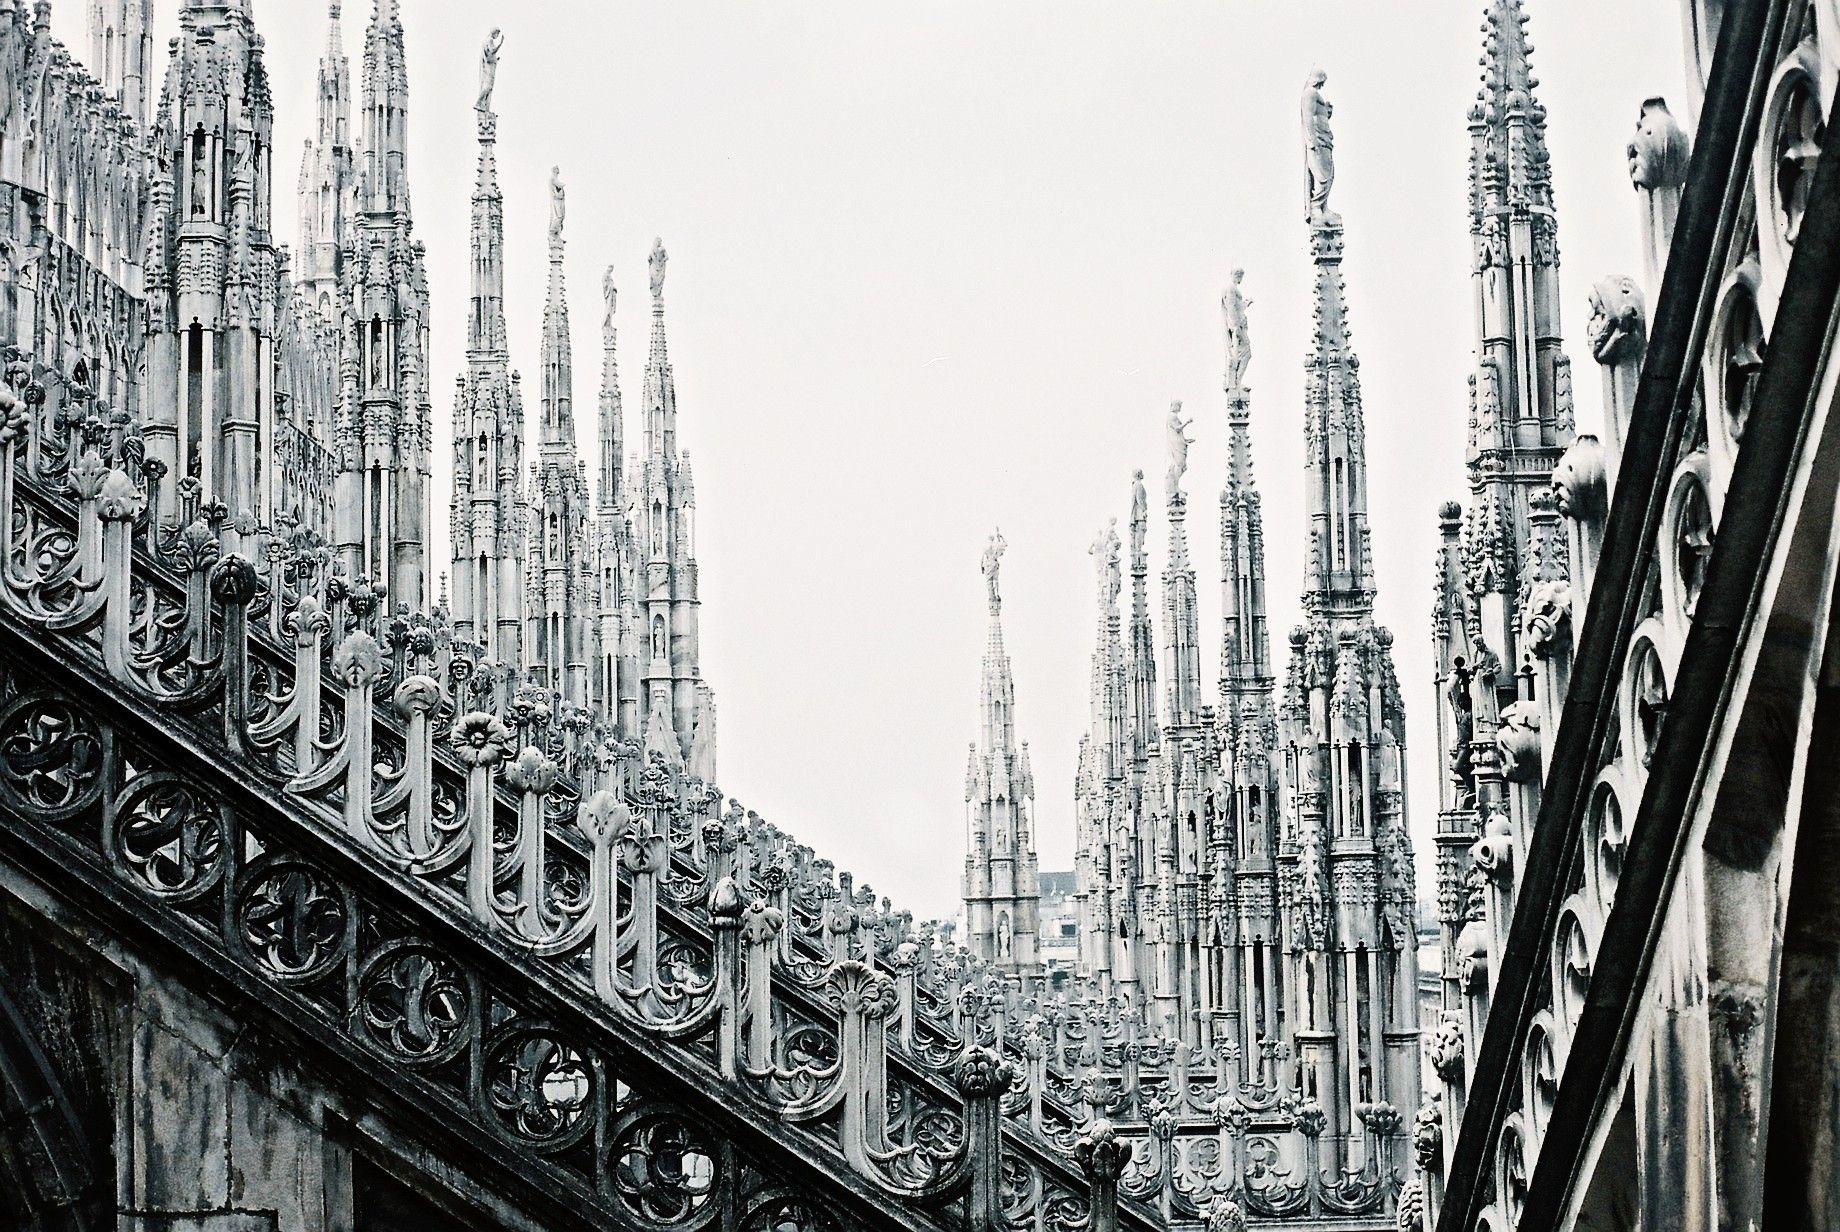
x,y
938,268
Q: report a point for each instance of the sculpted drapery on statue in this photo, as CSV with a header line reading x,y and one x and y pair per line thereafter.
x,y
1318,148
1233,307
1179,441
993,561
1104,552
488,70
558,204
658,258
611,294
1140,506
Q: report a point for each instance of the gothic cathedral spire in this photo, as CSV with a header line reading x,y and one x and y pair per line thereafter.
x,y
488,517
384,465
561,604
1346,889
326,177
1002,889
121,52
679,706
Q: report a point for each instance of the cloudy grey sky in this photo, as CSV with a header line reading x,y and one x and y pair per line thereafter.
x,y
938,268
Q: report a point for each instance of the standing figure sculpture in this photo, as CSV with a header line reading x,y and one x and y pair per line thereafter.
x,y
488,70
1104,552
658,258
611,294
1140,506
993,560
1179,442
1318,148
1233,307
558,204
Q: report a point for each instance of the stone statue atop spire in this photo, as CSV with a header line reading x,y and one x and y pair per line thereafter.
x,y
558,204
1233,307
611,294
1140,513
1318,149
993,562
1179,441
657,262
1002,881
1104,551
488,71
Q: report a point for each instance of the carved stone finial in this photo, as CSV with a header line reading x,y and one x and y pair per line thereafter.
x,y
981,1072
1099,1153
658,259
611,294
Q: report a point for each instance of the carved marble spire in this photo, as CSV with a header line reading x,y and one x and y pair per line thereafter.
x,y
1245,654
666,500
558,426
611,502
1511,165
660,393
1002,882
326,174
485,330
562,604
997,696
386,111
1521,413
1180,620
489,519
1340,572
121,52
1141,663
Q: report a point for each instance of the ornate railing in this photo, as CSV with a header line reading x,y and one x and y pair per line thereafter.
x,y
704,932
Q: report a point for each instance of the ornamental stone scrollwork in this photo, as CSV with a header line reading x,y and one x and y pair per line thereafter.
x,y
1648,692
414,1003
539,1088
50,756
1579,482
663,1171
480,740
1100,1153
1428,1129
170,837
292,920
1692,535
1795,129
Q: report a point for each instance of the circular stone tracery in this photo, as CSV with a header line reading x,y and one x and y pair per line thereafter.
x,y
538,1089
50,756
413,1003
169,837
290,920
663,1170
